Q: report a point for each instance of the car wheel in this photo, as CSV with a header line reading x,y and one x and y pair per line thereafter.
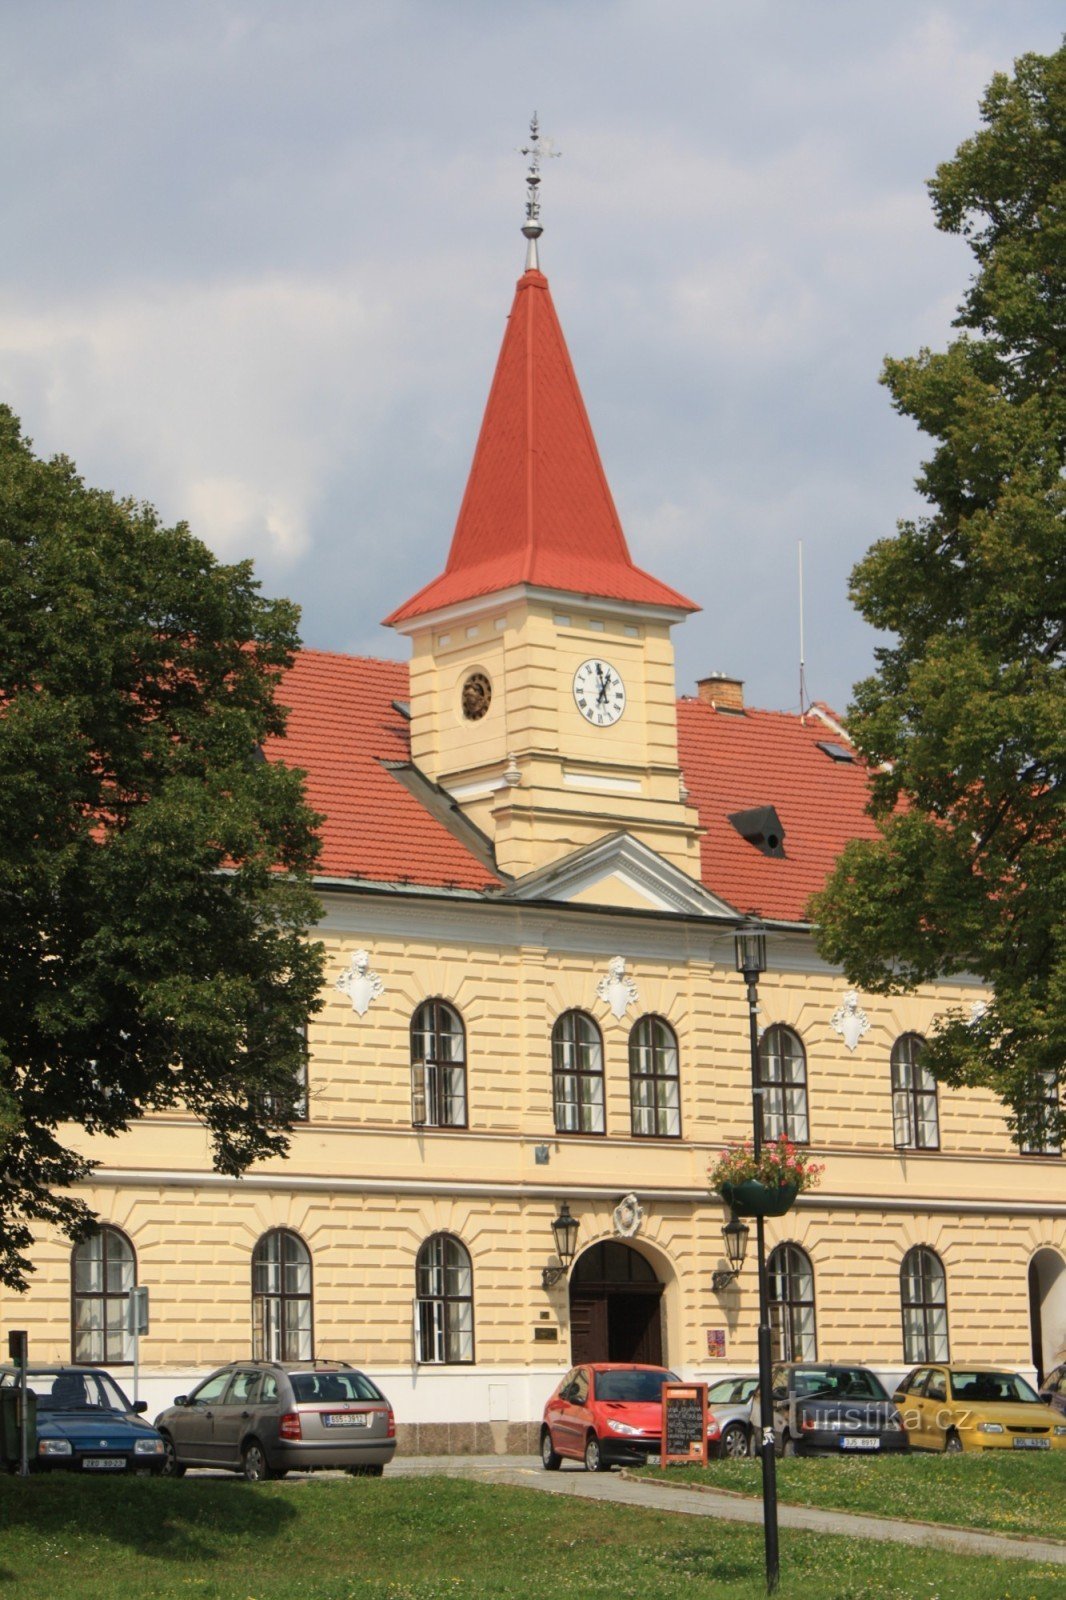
x,y
172,1467
550,1459
785,1446
254,1464
734,1441
952,1444
594,1461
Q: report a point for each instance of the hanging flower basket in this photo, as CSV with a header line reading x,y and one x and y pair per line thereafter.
x,y
767,1187
755,1199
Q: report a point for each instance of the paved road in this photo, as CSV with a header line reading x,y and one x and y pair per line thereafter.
x,y
525,1473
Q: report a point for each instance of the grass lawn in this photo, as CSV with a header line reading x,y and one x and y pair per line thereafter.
x,y
997,1490
429,1538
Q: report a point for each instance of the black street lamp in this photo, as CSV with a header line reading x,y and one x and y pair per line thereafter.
x,y
751,961
564,1232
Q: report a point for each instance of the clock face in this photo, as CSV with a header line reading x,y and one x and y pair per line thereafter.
x,y
599,692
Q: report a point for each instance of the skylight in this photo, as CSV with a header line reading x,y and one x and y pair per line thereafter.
x,y
836,752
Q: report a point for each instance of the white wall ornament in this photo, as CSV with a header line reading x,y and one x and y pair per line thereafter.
x,y
360,984
850,1020
616,990
628,1216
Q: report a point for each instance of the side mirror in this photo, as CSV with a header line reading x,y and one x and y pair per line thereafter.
x,y
181,1399
140,1406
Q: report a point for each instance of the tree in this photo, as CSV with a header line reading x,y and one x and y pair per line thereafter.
x,y
963,720
154,868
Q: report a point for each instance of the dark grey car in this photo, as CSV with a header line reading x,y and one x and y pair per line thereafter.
x,y
266,1418
830,1408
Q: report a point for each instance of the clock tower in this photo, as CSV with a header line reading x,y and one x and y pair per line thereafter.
x,y
542,676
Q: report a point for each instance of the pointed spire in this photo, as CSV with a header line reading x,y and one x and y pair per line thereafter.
x,y
537,508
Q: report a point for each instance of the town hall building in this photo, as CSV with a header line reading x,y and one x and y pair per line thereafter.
x,y
535,857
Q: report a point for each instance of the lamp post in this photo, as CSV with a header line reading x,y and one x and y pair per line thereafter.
x,y
751,961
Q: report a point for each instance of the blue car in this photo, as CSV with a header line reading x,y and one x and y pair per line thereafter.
x,y
86,1424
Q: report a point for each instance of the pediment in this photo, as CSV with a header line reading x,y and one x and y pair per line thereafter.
x,y
619,871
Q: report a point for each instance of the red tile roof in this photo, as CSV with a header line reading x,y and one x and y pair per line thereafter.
x,y
735,761
343,729
537,508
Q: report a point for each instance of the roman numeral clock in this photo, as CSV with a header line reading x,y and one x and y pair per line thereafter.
x,y
599,693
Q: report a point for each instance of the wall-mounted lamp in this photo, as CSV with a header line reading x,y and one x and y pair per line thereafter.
x,y
735,1234
564,1232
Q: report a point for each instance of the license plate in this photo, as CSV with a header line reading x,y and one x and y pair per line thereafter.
x,y
1031,1444
104,1463
860,1444
344,1419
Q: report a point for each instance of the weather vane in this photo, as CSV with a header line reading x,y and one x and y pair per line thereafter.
x,y
537,149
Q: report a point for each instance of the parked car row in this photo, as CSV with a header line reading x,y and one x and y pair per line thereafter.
x,y
264,1418
260,1418
607,1413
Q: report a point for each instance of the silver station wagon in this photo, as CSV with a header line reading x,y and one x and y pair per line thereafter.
x,y
266,1418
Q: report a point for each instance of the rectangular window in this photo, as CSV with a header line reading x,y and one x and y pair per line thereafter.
x,y
1038,1119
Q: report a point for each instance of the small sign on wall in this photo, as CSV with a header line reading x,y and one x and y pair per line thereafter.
x,y
716,1343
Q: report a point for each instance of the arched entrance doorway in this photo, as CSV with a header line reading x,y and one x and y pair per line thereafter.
x,y
1047,1309
615,1306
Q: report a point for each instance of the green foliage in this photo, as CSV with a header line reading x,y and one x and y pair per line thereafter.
x,y
153,867
965,717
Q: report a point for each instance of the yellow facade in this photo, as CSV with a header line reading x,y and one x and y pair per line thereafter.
x,y
363,1190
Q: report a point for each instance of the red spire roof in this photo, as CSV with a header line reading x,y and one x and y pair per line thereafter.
x,y
537,508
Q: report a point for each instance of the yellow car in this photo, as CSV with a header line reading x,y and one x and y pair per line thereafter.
x,y
960,1406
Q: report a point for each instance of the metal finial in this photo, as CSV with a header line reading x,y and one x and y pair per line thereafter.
x,y
536,150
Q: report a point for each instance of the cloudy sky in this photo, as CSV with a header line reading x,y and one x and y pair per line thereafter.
x,y
258,256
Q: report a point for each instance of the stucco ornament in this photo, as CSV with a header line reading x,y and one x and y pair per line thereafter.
x,y
850,1020
360,984
628,1216
616,990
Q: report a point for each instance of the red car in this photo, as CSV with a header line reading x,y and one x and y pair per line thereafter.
x,y
607,1414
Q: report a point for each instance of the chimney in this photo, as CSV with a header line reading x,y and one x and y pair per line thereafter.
x,y
722,691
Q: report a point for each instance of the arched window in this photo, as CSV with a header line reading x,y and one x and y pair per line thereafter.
x,y
791,1304
281,1298
577,1074
923,1294
654,1092
438,1067
915,1123
444,1289
783,1077
103,1271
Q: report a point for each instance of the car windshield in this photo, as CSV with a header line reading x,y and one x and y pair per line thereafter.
x,y
77,1391
982,1387
333,1386
633,1386
732,1391
839,1383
